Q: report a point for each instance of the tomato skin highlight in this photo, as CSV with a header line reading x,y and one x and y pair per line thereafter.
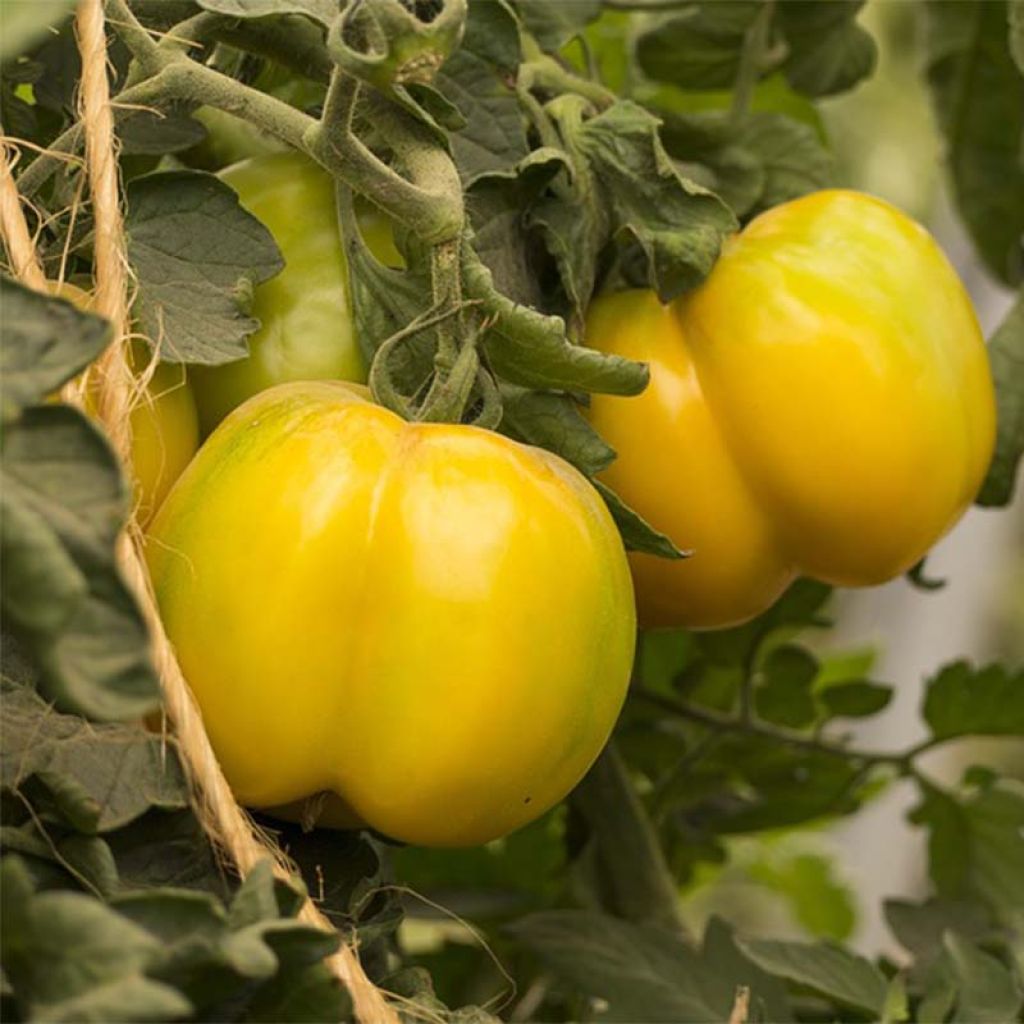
x,y
821,405
432,621
305,311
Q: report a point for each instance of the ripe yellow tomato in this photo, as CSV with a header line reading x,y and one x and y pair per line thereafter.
x,y
433,622
821,405
305,311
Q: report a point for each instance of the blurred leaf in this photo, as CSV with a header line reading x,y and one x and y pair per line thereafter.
x,y
63,502
919,927
197,256
644,974
979,100
22,24
45,342
916,577
854,700
1006,352
819,902
828,51
976,844
700,47
964,701
1017,33
828,969
552,24
986,991
70,958
99,777
784,695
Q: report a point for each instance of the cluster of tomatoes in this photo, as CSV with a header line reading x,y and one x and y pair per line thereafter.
x,y
436,624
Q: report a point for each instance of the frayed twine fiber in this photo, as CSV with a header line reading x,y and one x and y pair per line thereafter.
x,y
228,826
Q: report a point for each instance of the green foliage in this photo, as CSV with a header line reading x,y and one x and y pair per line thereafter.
x,y
979,99
1006,351
63,503
196,255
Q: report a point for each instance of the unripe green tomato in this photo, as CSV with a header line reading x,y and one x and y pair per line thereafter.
x,y
821,405
432,621
305,312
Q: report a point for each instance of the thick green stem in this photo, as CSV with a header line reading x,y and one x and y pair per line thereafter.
x,y
635,881
542,71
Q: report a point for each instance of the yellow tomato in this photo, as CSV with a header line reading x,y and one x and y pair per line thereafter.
x,y
821,405
433,622
305,312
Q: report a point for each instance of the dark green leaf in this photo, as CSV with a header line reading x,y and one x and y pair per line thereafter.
x,y
1017,33
197,256
70,958
699,48
64,501
637,533
916,577
642,973
828,51
986,991
919,927
979,98
830,970
323,11
149,132
678,226
553,421
44,342
854,700
553,24
1006,352
963,701
784,695
99,777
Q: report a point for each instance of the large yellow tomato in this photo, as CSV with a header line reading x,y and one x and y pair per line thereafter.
x,y
434,622
821,405
305,311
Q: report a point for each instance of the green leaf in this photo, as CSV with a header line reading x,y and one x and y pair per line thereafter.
x,y
821,903
678,226
642,973
854,700
553,24
827,969
323,11
986,991
22,24
197,256
553,421
637,533
976,845
1017,33
784,695
919,927
64,500
70,958
1006,353
964,701
978,94
44,343
828,51
100,777
699,48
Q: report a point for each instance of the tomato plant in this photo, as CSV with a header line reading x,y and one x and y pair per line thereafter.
x,y
479,306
